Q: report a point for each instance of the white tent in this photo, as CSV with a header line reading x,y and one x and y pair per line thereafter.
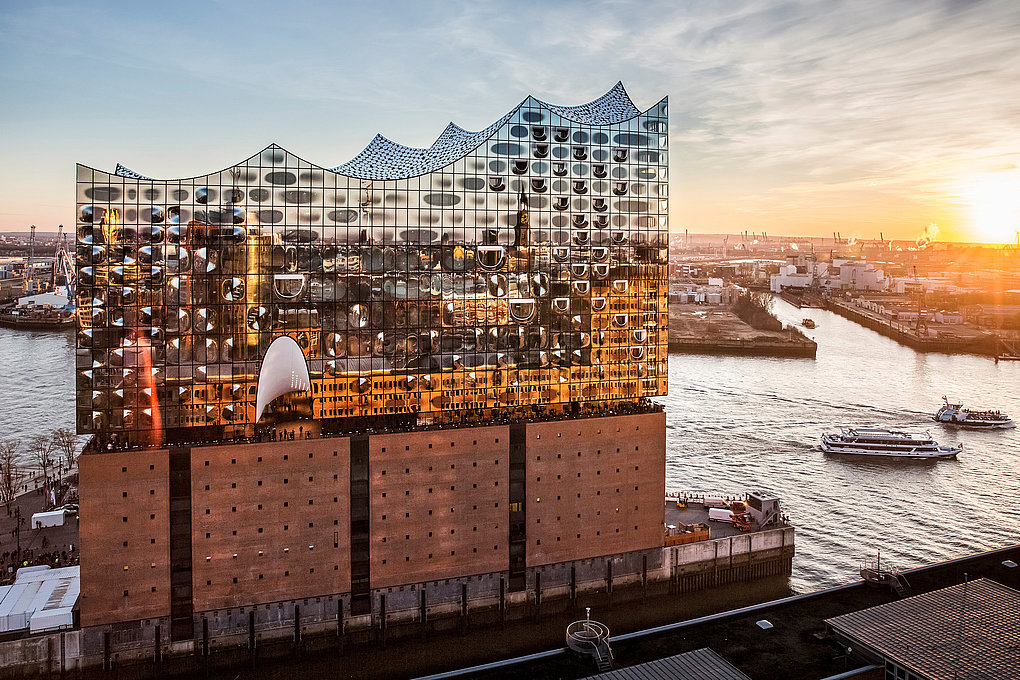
x,y
40,599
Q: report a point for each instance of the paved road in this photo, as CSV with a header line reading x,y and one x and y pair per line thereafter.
x,y
38,546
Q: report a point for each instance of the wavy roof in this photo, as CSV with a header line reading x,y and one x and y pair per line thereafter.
x,y
384,159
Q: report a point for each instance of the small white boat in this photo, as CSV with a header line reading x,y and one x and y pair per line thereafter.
x,y
886,444
957,415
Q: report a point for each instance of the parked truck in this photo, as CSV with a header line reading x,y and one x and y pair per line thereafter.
x,y
740,520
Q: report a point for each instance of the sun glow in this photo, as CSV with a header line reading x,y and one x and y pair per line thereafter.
x,y
995,206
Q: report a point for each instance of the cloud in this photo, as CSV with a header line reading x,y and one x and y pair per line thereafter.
x,y
767,98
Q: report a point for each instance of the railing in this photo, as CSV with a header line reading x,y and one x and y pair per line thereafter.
x,y
700,496
701,533
585,637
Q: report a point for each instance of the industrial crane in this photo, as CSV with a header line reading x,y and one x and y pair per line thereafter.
x,y
62,264
921,326
29,286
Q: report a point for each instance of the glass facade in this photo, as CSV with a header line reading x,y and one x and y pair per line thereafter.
x,y
520,268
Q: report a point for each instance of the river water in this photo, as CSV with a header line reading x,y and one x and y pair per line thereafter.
x,y
741,424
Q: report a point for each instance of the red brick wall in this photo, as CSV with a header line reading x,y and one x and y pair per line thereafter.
x,y
595,486
125,552
267,504
438,503
438,509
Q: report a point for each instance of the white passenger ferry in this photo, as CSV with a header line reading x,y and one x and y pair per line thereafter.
x,y
956,414
886,443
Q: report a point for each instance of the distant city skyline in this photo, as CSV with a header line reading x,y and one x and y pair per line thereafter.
x,y
864,118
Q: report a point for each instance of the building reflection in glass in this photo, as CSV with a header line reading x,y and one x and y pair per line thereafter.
x,y
520,269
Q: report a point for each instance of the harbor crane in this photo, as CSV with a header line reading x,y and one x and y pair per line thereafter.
x,y
921,326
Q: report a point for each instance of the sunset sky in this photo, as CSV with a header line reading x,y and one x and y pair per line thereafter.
x,y
786,117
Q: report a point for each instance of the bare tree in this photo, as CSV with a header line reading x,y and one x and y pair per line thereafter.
x,y
67,442
10,472
41,448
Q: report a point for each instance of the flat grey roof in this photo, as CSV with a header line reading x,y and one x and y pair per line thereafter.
x,y
697,665
970,630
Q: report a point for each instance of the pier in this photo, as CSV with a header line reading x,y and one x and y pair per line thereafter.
x,y
944,341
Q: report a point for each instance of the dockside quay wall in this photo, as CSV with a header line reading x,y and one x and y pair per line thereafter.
x,y
746,557
399,611
903,334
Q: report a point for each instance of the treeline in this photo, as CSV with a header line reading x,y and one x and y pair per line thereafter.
x,y
755,309
51,454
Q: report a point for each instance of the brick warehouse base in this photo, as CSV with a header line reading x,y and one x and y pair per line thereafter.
x,y
176,534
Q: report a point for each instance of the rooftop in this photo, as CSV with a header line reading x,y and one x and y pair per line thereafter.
x,y
695,665
964,631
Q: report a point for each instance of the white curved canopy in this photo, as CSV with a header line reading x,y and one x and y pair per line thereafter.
x,y
283,371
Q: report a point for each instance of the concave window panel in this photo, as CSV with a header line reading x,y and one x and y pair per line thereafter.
x,y
501,259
